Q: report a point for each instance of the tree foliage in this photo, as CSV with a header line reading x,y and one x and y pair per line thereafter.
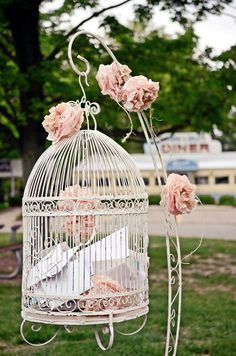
x,y
35,73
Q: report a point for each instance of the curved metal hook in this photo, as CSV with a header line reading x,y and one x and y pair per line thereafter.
x,y
87,71
73,66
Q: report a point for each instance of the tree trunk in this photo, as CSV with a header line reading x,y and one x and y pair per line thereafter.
x,y
23,17
31,146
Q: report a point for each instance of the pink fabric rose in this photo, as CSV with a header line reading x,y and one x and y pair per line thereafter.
x,y
79,227
100,295
178,195
63,121
139,93
111,79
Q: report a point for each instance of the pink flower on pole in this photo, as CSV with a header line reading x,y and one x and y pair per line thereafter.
x,y
139,93
178,195
64,120
111,79
80,227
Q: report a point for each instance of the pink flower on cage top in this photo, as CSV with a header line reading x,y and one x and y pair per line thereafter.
x,y
178,195
111,79
139,93
64,120
80,227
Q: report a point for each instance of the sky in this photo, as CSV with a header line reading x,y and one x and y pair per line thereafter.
x,y
218,32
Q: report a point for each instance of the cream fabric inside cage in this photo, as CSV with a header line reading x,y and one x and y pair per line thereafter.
x,y
85,234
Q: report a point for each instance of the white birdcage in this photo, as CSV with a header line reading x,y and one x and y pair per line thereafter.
x,y
86,233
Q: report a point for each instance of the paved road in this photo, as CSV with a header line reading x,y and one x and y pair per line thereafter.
x,y
8,218
220,222
216,222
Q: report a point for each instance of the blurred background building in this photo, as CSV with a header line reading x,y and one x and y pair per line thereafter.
x,y
11,184
196,155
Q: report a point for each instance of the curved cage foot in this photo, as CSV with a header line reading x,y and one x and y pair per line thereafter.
x,y
35,330
136,331
106,330
68,330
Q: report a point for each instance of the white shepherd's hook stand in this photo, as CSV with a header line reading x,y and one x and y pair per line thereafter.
x,y
174,261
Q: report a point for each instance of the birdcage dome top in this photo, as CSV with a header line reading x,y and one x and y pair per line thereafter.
x,y
89,163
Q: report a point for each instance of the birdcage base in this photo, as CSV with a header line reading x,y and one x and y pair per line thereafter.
x,y
78,319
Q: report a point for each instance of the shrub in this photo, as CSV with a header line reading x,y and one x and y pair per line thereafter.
x,y
15,201
154,199
207,199
3,205
227,200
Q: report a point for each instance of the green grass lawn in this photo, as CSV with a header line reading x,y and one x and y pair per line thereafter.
x,y
5,238
208,324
